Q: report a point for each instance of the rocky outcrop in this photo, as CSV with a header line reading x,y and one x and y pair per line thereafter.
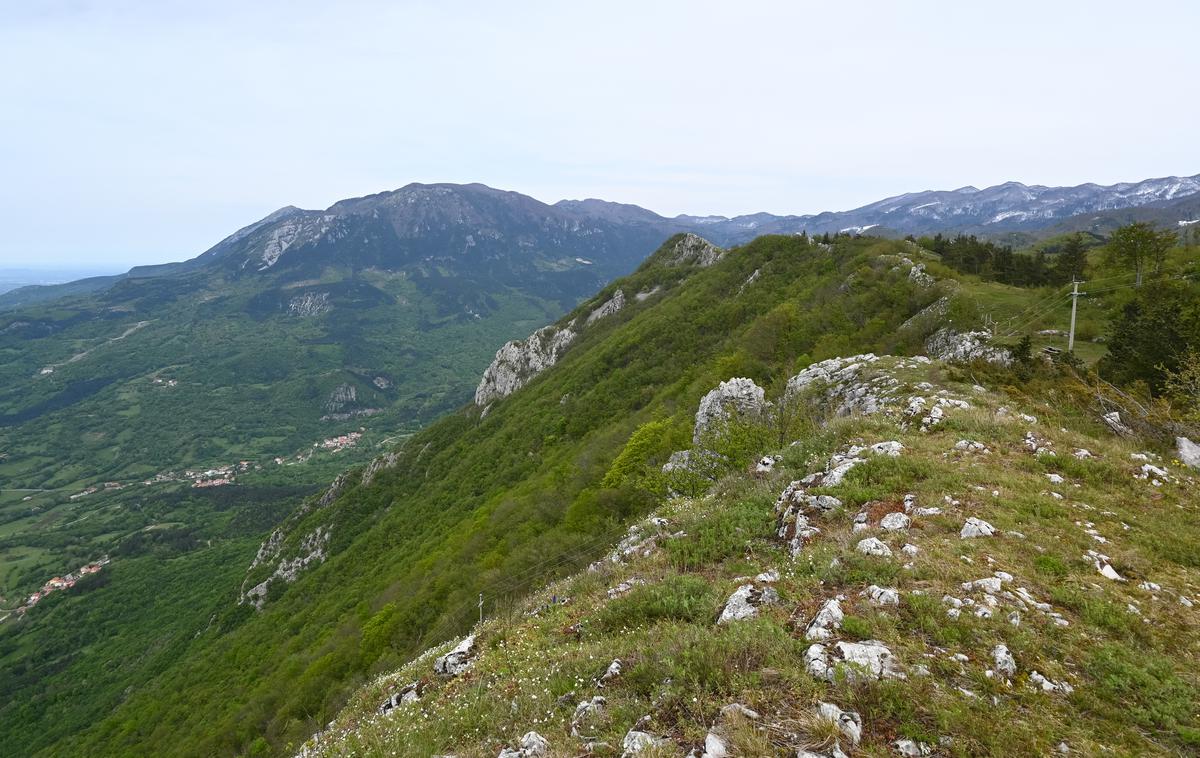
x,y
378,464
693,250
312,549
745,602
608,308
343,395
964,347
859,661
521,360
309,304
457,660
738,397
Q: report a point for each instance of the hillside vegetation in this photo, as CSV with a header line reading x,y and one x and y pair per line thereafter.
x,y
393,558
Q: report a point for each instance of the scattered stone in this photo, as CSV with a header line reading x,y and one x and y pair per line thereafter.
x,y
848,723
1004,661
636,741
895,521
586,710
1083,453
874,546
409,693
912,748
910,550
457,660
745,601
734,710
826,622
768,577
611,673
624,587
854,660
765,464
882,595
532,744
976,527
1055,478
1037,681
971,446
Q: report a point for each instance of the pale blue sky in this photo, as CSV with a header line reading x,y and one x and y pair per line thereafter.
x,y
138,132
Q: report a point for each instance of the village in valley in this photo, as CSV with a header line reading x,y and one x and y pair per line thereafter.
x,y
64,582
217,476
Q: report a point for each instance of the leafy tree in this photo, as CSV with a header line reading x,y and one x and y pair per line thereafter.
x,y
1140,246
1071,260
1152,334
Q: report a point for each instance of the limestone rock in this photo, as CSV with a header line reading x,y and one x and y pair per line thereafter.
x,y
737,397
963,347
896,521
1188,452
882,595
457,660
1114,422
874,546
636,741
976,527
532,744
912,748
827,621
849,723
693,250
1005,663
521,360
608,308
855,660
745,601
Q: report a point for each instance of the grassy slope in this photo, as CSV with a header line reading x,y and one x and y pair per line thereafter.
x,y
474,503
1130,653
500,504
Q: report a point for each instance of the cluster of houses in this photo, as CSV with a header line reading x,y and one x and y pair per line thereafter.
x,y
340,442
63,582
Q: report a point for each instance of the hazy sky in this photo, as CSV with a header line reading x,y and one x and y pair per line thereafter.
x,y
137,132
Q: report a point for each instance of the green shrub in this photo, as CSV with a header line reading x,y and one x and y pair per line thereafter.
x,y
723,534
677,598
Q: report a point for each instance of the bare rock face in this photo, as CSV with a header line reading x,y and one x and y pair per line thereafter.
x,y
309,304
964,347
521,360
694,250
312,549
608,308
737,397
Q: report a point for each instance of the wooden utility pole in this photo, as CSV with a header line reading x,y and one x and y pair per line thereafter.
x,y
1075,293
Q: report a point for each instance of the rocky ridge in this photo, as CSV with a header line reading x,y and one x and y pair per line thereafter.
x,y
966,621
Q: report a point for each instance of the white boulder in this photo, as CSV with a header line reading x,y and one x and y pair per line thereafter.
x,y
874,546
736,397
976,527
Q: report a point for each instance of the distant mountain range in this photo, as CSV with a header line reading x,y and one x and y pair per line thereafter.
x,y
509,237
